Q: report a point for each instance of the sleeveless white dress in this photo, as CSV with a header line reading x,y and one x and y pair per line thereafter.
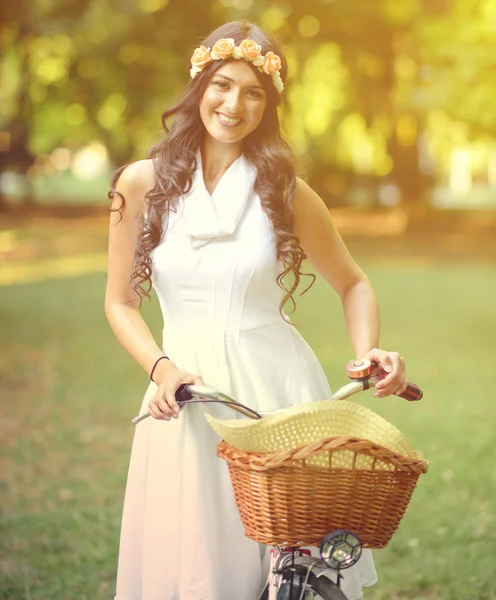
x,y
215,276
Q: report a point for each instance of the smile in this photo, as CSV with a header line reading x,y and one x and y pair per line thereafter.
x,y
229,121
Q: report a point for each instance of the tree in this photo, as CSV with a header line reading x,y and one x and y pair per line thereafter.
x,y
368,78
82,70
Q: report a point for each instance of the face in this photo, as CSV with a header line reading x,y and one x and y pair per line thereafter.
x,y
233,103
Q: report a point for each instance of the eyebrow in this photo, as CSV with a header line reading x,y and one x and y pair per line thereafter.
x,y
259,87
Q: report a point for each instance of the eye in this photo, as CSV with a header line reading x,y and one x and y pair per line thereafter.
x,y
222,85
255,94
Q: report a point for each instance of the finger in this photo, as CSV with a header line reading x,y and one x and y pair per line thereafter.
x,y
156,413
385,361
153,408
401,389
385,388
170,399
398,363
382,392
395,368
392,384
397,378
388,382
153,412
391,363
189,378
381,357
163,404
161,413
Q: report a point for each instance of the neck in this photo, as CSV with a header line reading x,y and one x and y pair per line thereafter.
x,y
217,158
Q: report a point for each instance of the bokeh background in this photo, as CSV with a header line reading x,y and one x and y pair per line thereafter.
x,y
390,110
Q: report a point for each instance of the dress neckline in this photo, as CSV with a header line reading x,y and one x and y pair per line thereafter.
x,y
210,216
201,177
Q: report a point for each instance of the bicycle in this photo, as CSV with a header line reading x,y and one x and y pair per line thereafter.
x,y
293,573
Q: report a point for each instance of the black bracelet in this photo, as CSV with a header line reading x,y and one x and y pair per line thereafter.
x,y
156,363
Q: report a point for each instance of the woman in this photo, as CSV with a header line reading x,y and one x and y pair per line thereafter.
x,y
214,219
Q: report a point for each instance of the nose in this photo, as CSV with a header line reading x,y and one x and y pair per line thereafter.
x,y
233,101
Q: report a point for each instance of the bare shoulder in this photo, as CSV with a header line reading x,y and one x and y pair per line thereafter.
x,y
131,188
307,203
137,178
302,187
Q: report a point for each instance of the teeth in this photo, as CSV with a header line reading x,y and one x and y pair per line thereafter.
x,y
228,120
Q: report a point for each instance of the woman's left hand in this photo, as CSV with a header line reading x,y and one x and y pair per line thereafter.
x,y
393,364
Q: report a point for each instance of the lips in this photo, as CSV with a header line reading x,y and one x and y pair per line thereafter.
x,y
228,121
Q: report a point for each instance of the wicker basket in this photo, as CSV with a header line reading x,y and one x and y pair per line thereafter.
x,y
295,496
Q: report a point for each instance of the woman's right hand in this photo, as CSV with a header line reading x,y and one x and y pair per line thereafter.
x,y
169,378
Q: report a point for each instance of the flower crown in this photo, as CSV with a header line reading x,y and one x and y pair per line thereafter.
x,y
248,50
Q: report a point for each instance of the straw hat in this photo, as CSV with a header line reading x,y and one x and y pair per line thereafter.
x,y
299,425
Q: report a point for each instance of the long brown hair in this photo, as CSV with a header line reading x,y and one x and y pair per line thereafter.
x,y
175,161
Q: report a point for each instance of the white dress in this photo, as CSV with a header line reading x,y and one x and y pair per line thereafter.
x,y
215,277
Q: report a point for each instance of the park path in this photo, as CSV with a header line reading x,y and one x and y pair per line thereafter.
x,y
37,248
41,247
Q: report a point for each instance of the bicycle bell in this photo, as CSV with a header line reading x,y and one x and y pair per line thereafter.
x,y
340,549
360,368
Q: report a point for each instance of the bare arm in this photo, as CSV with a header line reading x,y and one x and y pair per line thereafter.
x,y
121,300
328,254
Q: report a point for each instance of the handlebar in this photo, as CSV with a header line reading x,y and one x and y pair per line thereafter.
x,y
360,371
190,394
363,370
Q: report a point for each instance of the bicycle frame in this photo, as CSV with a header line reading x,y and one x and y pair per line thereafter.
x,y
281,558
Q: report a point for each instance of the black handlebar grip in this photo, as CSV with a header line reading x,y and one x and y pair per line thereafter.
x,y
183,393
412,393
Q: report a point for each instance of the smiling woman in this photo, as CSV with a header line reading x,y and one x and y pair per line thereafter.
x,y
231,108
245,67
215,220
233,103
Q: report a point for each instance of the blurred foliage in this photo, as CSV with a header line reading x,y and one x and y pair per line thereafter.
x,y
378,88
77,71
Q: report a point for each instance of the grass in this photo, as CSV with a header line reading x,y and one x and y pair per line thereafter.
x,y
69,391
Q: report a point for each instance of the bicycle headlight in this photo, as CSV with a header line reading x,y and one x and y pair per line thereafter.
x,y
340,549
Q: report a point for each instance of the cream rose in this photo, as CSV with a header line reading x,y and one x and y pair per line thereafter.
x,y
223,48
271,63
201,57
249,49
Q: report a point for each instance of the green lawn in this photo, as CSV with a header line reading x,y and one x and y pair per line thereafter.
x,y
69,391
